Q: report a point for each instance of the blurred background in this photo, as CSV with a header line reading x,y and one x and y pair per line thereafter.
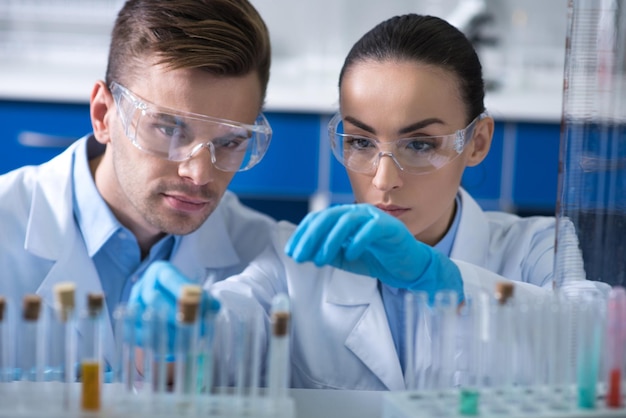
x,y
52,51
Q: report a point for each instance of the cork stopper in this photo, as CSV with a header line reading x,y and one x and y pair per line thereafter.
x,y
31,307
3,305
64,298
188,309
504,291
280,323
191,290
95,303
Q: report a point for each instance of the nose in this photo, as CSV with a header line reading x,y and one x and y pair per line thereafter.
x,y
199,168
387,176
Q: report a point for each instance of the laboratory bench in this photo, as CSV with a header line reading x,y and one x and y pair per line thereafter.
x,y
41,114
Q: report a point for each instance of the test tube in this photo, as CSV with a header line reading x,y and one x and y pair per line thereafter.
x,y
446,305
31,351
6,369
91,359
615,341
590,338
186,345
66,347
278,356
417,330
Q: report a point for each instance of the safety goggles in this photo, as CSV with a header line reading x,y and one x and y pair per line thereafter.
x,y
178,136
415,155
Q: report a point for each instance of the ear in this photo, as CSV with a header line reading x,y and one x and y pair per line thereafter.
x,y
101,107
480,144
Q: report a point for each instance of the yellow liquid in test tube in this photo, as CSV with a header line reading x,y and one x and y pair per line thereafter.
x,y
90,397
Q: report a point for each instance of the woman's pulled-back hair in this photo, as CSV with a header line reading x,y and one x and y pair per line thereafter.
x,y
223,37
429,40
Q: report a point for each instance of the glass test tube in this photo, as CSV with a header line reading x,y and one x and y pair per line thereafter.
x,y
589,339
65,347
278,359
91,353
6,370
31,352
186,345
446,305
417,330
615,342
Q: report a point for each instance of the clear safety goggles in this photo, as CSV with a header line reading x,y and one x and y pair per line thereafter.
x,y
177,136
416,155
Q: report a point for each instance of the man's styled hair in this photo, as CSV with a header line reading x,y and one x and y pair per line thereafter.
x,y
223,37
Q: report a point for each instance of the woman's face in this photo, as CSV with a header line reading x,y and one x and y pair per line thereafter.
x,y
398,99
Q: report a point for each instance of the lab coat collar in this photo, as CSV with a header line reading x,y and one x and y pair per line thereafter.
x,y
370,339
51,215
474,229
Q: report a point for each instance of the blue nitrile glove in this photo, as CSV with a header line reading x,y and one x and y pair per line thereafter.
x,y
159,288
362,239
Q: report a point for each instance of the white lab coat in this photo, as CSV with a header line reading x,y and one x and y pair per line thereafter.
x,y
340,338
41,244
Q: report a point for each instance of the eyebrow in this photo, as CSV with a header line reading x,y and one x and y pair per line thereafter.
x,y
407,129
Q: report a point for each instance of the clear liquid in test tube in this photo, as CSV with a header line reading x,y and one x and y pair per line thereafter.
x,y
279,359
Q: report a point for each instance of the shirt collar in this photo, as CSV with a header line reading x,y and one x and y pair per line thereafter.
x,y
95,220
445,244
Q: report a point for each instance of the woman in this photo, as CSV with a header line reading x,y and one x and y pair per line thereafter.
x,y
412,119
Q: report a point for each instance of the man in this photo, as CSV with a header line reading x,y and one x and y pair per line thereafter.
x,y
177,115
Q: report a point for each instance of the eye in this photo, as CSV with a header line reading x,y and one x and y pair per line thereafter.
x,y
419,145
231,143
169,130
359,142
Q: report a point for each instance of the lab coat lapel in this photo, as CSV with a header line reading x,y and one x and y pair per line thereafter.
x,y
370,339
52,234
471,243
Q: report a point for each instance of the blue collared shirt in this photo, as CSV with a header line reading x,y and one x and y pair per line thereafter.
x,y
393,298
112,247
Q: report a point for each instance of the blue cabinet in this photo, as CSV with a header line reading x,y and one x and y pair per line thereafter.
x,y
34,132
484,181
289,169
536,167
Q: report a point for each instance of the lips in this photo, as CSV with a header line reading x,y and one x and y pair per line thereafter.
x,y
186,203
393,209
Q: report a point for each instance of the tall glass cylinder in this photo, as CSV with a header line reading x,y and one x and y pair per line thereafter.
x,y
591,203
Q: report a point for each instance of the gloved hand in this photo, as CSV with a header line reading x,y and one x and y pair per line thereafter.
x,y
159,289
362,239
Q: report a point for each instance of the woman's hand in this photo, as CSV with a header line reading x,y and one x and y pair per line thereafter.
x,y
362,239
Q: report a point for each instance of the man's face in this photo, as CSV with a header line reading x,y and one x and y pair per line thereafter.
x,y
151,195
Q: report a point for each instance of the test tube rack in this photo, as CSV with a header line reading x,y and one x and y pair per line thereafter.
x,y
37,399
493,403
